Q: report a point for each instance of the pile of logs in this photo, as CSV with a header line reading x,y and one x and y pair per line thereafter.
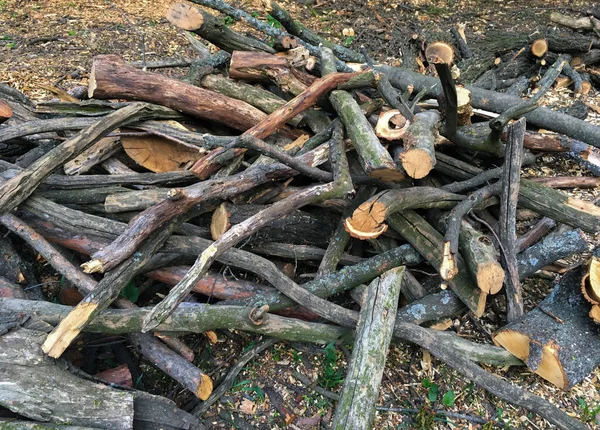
x,y
286,159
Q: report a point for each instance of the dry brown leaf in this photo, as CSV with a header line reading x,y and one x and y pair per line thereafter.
x,y
248,407
212,336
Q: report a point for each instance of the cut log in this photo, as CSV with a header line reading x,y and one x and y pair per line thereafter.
x,y
464,108
112,78
557,340
539,47
391,125
5,111
418,157
428,242
590,286
480,256
360,394
377,161
192,18
368,220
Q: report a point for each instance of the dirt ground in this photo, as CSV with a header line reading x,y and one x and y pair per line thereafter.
x,y
52,42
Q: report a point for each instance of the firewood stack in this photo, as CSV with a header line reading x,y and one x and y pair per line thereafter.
x,y
296,150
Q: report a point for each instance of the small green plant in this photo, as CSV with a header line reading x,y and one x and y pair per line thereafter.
x,y
296,357
3,5
448,399
432,389
244,385
72,33
588,413
348,40
333,374
130,292
273,22
254,14
227,21
11,45
6,37
152,23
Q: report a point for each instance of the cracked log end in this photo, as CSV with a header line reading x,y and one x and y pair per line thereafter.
x,y
185,16
220,222
448,268
490,278
5,111
518,345
391,125
367,221
416,162
439,53
205,387
69,328
93,266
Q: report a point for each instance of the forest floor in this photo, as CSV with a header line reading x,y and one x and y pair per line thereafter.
x,y
52,42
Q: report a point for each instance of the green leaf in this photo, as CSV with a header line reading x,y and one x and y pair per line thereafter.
x,y
130,292
432,393
426,383
448,399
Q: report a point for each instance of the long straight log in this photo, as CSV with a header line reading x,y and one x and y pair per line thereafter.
x,y
377,161
112,78
188,318
356,408
498,102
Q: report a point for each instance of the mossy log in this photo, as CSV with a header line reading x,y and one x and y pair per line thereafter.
x,y
480,257
377,161
557,340
428,242
27,376
262,99
360,394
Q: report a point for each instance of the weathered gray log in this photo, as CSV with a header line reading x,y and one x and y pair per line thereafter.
x,y
356,408
192,18
557,340
511,174
27,377
550,249
498,102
